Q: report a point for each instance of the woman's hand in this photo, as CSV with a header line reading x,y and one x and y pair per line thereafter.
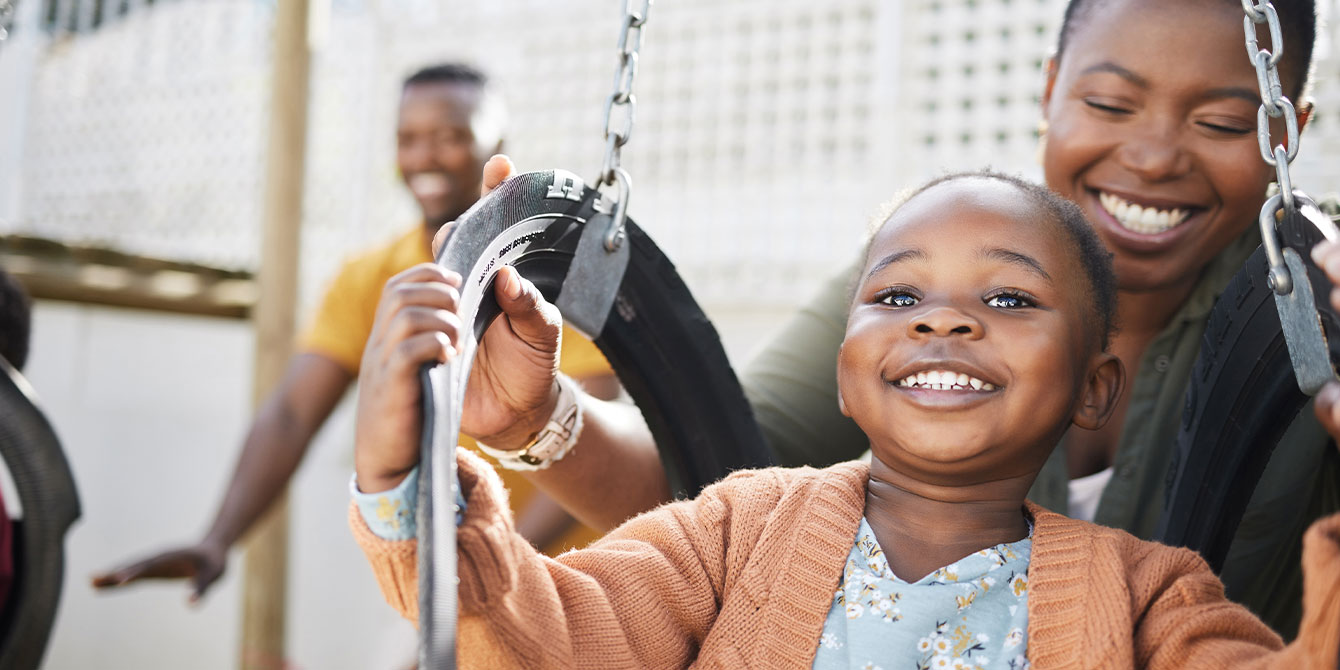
x,y
1327,257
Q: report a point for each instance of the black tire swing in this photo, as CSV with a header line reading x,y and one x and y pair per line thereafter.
x,y
50,503
1271,341
1243,396
664,350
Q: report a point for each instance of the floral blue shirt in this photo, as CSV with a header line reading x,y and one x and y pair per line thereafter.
x,y
970,614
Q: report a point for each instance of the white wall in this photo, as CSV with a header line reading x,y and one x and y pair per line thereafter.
x,y
151,410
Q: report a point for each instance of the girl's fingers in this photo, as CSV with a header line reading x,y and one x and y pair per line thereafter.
x,y
411,322
425,285
497,170
411,353
440,237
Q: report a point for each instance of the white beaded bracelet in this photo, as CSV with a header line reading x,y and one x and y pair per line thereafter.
x,y
554,441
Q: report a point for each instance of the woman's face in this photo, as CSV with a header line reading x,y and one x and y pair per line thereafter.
x,y
1151,116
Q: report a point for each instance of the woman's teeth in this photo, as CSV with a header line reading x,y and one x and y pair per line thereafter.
x,y
944,380
1144,220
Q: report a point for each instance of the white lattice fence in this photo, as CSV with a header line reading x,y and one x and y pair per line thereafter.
x,y
766,131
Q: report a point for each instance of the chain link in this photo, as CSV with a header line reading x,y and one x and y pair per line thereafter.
x,y
1274,104
620,110
7,8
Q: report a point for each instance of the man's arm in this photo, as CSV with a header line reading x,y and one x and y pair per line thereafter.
x,y
276,443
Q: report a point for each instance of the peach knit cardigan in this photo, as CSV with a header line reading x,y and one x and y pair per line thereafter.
x,y
743,577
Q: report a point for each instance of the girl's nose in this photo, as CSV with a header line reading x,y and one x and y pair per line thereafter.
x,y
944,321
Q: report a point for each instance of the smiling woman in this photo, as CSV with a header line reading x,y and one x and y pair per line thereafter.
x,y
1149,111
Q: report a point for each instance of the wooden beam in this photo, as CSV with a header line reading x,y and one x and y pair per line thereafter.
x,y
51,270
265,589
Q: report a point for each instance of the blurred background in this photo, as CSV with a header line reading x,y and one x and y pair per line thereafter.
x,y
133,139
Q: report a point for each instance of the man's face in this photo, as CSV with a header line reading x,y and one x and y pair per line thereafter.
x,y
437,152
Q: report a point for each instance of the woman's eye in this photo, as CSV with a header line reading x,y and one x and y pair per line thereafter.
x,y
1104,106
898,299
1226,129
1007,301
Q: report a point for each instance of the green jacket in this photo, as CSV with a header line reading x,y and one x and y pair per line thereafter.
x,y
793,388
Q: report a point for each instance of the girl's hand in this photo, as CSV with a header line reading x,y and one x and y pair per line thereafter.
x,y
416,323
512,388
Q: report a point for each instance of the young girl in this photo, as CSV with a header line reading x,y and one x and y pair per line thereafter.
x,y
1150,109
976,338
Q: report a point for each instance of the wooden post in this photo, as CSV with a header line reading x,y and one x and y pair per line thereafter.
x,y
265,582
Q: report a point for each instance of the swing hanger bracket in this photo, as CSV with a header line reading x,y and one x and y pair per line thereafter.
x,y
620,113
1299,219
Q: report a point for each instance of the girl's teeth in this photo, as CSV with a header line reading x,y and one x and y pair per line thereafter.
x,y
943,380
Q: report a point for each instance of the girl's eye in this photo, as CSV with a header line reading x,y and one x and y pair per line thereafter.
x,y
898,299
1008,301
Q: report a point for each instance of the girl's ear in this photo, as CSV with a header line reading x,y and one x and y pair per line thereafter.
x,y
1101,392
842,404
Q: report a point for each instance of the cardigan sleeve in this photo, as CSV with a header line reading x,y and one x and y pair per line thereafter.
x,y
644,596
1190,624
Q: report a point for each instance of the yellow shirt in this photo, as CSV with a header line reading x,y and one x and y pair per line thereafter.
x,y
340,328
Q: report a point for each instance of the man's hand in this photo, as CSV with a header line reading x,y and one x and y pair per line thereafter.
x,y
1327,257
203,564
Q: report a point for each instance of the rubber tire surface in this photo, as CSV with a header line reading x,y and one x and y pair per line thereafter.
x,y
1241,399
662,347
50,503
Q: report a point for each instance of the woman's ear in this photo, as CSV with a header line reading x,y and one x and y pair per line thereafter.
x,y
1101,392
1305,109
1049,70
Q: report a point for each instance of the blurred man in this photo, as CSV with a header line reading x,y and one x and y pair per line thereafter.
x,y
449,124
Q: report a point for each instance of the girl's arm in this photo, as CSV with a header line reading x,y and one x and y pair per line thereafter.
x,y
1190,624
643,597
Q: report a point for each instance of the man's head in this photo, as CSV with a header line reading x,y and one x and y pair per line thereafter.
x,y
978,330
15,321
449,125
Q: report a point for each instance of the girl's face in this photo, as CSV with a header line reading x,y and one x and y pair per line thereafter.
x,y
970,345
1151,117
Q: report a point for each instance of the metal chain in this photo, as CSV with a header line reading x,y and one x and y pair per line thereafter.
x,y
7,8
1274,104
619,113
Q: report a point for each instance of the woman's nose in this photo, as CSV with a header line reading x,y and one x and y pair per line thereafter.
x,y
1154,155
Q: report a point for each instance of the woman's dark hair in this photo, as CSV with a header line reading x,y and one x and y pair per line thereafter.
x,y
1298,19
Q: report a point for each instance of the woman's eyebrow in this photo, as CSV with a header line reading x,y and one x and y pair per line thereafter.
x,y
1015,258
1109,66
895,257
1234,92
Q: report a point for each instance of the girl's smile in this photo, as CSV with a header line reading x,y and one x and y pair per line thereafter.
x,y
970,335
